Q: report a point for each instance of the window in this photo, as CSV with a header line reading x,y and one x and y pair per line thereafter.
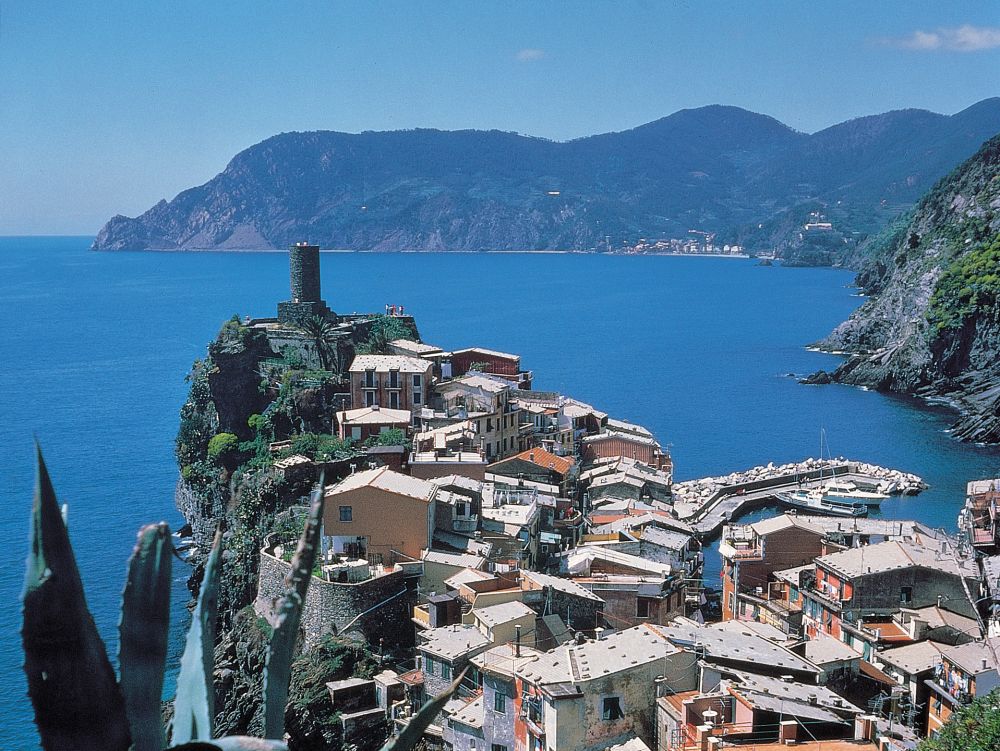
x,y
445,670
461,508
370,379
499,702
906,595
504,444
642,607
346,514
418,382
394,400
793,594
394,379
498,747
369,398
611,708
489,424
417,396
429,666
356,433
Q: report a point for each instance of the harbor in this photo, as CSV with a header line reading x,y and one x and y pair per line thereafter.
x,y
709,503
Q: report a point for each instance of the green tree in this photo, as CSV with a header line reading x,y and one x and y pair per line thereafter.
x,y
384,329
975,727
324,335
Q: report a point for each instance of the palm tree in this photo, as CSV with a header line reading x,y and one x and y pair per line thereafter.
x,y
325,336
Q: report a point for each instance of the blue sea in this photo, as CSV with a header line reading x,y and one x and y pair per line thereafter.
x,y
96,347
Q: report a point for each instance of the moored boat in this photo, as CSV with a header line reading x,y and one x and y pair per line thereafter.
x,y
816,501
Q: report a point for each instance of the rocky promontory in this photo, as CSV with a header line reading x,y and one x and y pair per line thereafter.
x,y
931,324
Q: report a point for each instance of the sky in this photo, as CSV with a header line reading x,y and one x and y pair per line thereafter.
x,y
108,107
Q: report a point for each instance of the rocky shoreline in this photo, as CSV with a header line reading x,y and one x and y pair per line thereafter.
x,y
930,327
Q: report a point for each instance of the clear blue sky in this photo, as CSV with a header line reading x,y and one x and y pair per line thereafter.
x,y
107,107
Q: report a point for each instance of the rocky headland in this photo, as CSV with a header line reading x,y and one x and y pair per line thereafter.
x,y
931,324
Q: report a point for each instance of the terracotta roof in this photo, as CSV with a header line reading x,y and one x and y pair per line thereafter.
x,y
374,416
543,458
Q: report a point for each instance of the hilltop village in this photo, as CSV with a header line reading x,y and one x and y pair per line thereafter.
x,y
539,548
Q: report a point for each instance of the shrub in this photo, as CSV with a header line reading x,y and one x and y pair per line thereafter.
x,y
222,444
968,286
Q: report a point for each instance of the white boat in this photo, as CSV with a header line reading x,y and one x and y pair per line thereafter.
x,y
845,490
815,500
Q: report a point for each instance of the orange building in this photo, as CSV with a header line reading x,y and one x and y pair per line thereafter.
x,y
752,553
380,515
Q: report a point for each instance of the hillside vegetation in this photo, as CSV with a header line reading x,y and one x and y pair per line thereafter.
x,y
932,324
720,169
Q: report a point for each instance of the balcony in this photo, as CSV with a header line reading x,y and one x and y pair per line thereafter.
x,y
465,524
740,550
422,616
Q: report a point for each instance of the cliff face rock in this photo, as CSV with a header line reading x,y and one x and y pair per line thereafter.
x,y
932,324
716,168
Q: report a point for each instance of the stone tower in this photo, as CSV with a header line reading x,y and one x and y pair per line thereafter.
x,y
303,263
307,301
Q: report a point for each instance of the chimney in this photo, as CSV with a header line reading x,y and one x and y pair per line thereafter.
x,y
788,731
517,640
702,733
864,727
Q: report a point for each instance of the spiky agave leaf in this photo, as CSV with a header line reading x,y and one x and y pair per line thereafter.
x,y
233,743
278,666
78,704
143,630
415,728
194,704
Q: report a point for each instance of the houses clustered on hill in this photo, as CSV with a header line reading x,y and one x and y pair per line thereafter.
x,y
527,541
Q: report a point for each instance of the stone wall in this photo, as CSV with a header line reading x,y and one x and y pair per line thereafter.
x,y
332,606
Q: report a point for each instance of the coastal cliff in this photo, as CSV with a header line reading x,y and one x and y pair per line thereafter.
x,y
259,395
717,169
931,325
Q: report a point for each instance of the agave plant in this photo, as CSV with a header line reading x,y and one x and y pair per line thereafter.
x,y
79,702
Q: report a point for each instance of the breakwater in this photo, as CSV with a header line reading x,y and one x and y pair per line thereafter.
x,y
709,503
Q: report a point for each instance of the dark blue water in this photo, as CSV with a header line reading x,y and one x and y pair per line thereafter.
x,y
96,346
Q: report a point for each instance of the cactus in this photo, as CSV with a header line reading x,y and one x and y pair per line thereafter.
x,y
78,703
143,630
79,706
278,666
415,728
194,708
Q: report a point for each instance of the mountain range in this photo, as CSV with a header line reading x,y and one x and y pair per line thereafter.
x,y
719,169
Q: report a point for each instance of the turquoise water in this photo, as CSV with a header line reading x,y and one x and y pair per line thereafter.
x,y
96,347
